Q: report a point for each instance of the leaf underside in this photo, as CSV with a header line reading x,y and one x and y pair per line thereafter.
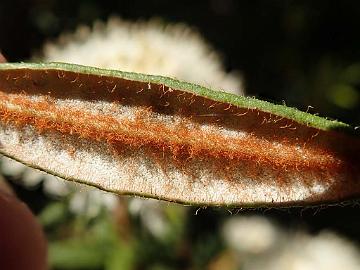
x,y
157,137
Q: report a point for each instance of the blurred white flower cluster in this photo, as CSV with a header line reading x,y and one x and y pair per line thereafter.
x,y
259,244
151,47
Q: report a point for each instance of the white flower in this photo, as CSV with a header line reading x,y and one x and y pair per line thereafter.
x,y
90,200
259,244
151,47
251,235
151,214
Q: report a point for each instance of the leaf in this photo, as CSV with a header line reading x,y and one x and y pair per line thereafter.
x,y
157,137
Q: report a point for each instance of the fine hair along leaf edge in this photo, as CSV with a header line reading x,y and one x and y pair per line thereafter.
x,y
250,103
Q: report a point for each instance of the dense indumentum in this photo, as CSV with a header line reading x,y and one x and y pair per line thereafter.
x,y
144,138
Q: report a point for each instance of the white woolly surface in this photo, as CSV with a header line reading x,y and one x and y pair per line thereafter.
x,y
137,172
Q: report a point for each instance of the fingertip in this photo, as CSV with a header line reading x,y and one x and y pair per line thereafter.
x,y
2,58
22,241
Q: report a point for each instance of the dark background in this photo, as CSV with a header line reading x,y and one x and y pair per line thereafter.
x,y
301,52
